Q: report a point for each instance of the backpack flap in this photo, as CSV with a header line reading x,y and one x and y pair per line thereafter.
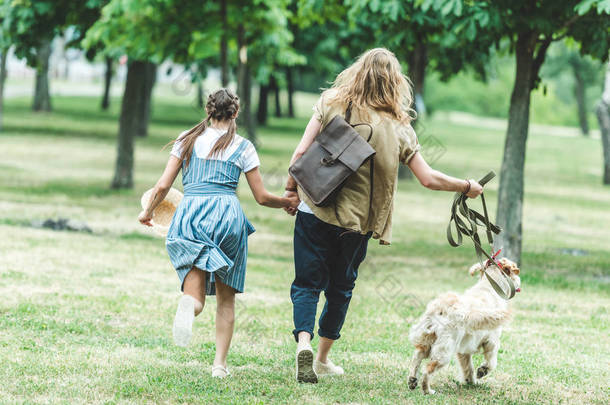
x,y
345,144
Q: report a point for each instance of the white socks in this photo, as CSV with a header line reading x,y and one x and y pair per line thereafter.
x,y
304,345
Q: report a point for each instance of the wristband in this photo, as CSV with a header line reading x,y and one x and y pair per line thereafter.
x,y
467,188
293,189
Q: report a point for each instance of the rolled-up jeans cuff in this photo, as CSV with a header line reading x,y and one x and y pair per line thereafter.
x,y
325,334
296,334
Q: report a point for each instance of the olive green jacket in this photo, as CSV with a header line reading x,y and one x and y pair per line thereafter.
x,y
394,143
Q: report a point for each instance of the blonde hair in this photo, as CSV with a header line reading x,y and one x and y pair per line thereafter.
x,y
375,81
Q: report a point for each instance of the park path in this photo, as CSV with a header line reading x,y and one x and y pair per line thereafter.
x,y
462,118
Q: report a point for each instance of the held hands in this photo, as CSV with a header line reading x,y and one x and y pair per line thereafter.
x,y
294,201
145,218
474,189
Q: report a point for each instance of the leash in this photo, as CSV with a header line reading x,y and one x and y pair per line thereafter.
x,y
465,221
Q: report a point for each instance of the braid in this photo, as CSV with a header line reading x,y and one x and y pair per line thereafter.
x,y
225,108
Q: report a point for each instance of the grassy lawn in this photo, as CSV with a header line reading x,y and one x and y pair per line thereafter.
x,y
86,318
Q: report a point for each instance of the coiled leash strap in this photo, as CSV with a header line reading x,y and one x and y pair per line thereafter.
x,y
465,221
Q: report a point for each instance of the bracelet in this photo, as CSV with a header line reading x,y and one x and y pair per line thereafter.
x,y
467,188
293,189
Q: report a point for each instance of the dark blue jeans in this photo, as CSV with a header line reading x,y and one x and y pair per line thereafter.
x,y
326,258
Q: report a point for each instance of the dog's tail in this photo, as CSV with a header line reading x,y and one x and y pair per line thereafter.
x,y
431,324
423,332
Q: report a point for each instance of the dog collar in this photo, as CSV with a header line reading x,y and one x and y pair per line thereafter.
x,y
496,261
488,263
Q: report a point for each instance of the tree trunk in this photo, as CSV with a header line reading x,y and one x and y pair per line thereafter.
x,y
510,194
148,82
290,88
293,7
603,116
107,83
224,63
276,94
128,124
42,100
2,78
244,86
246,106
581,100
417,61
200,101
263,96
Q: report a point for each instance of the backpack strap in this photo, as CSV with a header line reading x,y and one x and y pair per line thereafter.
x,y
348,116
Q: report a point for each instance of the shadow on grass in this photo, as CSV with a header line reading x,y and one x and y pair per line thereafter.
x,y
129,236
68,107
71,189
59,132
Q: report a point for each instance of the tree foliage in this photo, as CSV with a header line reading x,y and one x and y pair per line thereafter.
x,y
27,24
156,30
491,24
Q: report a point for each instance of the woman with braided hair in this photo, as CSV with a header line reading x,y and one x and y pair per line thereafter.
x,y
207,240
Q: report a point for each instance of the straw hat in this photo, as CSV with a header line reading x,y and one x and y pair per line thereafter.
x,y
163,214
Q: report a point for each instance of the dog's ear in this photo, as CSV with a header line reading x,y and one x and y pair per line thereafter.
x,y
509,266
474,268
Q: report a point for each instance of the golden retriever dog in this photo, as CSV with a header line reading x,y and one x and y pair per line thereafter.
x,y
462,325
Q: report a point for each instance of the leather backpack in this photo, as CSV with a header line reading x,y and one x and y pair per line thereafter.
x,y
337,153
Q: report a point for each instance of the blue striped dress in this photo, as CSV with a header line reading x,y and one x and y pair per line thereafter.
x,y
209,229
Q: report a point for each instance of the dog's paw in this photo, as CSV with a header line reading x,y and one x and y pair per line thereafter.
x,y
412,383
429,392
482,371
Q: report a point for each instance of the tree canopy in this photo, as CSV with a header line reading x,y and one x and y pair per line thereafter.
x,y
525,29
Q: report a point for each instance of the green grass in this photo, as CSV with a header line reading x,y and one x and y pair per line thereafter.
x,y
86,318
